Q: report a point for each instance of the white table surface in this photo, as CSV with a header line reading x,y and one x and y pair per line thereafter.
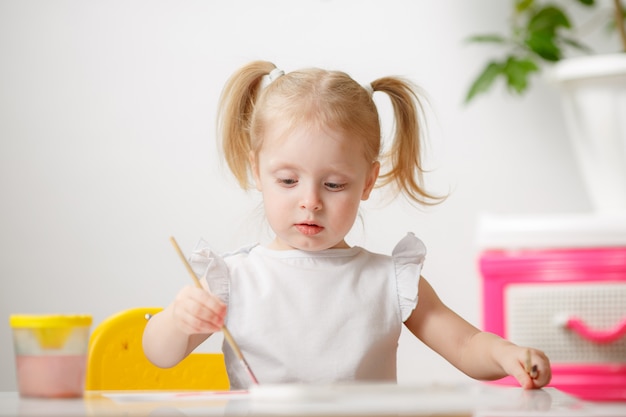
x,y
475,400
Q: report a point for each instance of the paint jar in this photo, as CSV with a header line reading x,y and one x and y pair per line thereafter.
x,y
50,354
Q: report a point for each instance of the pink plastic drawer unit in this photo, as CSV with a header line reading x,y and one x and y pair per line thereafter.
x,y
560,287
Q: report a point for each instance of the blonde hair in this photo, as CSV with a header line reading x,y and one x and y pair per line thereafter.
x,y
324,99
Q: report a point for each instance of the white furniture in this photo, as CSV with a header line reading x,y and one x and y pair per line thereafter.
x,y
594,105
471,400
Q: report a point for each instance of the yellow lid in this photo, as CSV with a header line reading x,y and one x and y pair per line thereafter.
x,y
48,320
52,331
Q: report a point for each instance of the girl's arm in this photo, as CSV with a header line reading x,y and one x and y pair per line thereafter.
x,y
478,354
176,331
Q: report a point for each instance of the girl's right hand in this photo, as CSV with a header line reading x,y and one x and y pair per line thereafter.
x,y
197,311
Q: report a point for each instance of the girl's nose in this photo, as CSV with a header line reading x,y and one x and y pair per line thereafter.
x,y
311,200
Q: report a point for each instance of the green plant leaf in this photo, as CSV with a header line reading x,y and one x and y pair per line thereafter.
x,y
523,5
485,79
517,72
492,38
548,19
577,45
542,32
587,2
544,45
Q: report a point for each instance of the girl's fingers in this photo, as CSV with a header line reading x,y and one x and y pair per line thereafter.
x,y
523,378
198,311
535,370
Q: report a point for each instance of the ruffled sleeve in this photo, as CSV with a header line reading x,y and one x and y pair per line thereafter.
x,y
408,258
210,267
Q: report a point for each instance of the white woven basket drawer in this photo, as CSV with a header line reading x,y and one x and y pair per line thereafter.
x,y
535,315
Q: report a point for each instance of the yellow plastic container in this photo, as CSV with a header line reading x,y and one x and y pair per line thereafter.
x,y
50,354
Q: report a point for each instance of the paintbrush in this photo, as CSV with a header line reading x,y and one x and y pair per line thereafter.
x,y
227,335
530,369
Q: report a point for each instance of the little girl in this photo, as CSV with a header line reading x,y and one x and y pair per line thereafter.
x,y
308,307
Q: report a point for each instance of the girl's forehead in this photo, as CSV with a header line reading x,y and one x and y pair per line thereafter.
x,y
279,132
311,142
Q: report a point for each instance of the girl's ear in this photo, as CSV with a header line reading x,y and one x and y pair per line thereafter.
x,y
255,170
371,180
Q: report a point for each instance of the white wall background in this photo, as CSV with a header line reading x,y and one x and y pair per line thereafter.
x,y
107,144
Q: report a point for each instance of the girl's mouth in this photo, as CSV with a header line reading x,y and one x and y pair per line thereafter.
x,y
309,229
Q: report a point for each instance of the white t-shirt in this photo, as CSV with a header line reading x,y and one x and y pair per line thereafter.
x,y
314,317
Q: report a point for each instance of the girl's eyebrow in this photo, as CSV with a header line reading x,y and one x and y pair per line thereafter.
x,y
293,168
282,165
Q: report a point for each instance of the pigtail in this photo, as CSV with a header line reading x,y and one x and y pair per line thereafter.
x,y
404,158
234,113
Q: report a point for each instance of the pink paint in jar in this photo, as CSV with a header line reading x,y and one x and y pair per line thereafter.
x,y
50,354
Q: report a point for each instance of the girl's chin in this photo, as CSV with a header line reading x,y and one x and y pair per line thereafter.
x,y
306,244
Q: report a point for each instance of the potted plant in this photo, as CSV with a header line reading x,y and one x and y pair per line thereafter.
x,y
593,86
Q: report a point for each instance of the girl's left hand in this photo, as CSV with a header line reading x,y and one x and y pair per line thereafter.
x,y
531,367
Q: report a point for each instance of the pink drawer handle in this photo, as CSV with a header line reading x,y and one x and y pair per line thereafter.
x,y
597,336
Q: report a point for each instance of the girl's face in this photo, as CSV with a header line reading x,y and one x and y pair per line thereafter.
x,y
312,181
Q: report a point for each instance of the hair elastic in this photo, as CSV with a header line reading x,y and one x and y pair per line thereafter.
x,y
274,74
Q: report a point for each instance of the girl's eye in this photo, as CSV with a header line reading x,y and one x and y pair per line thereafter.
x,y
334,186
289,182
